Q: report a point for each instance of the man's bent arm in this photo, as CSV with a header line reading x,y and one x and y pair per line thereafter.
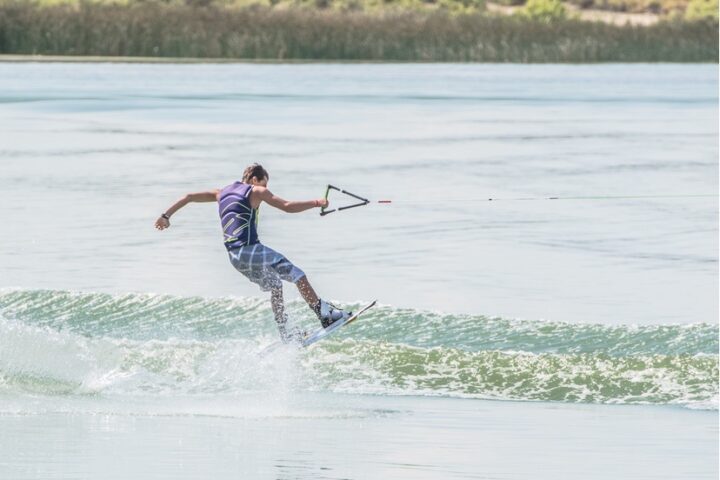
x,y
164,220
209,196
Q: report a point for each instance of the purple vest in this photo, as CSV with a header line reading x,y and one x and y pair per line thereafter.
x,y
237,217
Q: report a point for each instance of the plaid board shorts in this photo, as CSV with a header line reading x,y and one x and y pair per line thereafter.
x,y
264,266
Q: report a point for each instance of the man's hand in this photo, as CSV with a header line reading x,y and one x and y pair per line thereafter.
x,y
162,223
324,202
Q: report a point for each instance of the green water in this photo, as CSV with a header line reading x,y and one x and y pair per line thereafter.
x,y
181,345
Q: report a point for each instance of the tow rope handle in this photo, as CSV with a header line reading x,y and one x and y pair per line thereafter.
x,y
362,202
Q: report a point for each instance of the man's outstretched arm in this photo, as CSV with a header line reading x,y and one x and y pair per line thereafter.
x,y
287,205
163,221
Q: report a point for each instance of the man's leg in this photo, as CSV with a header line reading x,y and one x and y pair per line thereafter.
x,y
307,292
278,308
326,313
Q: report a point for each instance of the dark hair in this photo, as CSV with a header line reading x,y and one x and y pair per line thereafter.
x,y
255,170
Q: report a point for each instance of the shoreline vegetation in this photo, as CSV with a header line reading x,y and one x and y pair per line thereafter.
x,y
541,31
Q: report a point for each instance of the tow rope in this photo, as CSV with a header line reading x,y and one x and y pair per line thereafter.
x,y
364,201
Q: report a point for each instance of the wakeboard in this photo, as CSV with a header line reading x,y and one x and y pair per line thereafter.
x,y
324,332
321,333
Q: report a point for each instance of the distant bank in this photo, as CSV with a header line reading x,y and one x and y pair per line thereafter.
x,y
181,31
30,58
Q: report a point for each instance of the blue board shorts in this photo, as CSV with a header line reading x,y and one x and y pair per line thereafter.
x,y
264,266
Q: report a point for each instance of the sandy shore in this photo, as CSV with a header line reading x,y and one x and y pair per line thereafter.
x,y
589,15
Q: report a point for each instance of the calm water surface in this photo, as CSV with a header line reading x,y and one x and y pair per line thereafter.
x,y
101,149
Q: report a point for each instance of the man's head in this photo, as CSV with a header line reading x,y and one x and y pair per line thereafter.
x,y
255,174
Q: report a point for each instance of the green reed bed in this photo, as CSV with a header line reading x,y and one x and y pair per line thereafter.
x,y
178,30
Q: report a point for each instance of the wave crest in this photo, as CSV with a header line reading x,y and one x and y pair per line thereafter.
x,y
56,342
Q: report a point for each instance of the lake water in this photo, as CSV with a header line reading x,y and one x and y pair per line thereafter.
x,y
515,338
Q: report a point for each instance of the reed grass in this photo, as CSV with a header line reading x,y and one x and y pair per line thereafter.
x,y
180,30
